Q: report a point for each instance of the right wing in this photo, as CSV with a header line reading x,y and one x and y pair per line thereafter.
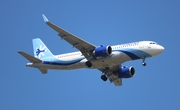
x,y
85,47
112,75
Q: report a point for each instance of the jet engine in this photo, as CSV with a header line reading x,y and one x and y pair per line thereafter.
x,y
126,72
102,51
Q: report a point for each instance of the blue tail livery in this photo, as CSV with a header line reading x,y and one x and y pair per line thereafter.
x,y
40,49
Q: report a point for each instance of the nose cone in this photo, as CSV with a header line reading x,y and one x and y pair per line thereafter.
x,y
160,48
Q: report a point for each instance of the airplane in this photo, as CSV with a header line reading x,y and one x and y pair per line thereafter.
x,y
107,59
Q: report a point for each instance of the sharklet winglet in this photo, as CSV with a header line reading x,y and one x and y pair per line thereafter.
x,y
45,18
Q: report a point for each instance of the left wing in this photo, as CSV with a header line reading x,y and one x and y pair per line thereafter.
x,y
83,46
112,75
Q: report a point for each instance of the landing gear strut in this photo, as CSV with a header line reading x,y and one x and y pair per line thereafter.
x,y
143,61
104,78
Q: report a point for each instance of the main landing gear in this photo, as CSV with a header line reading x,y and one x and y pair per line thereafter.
x,y
88,64
143,61
104,78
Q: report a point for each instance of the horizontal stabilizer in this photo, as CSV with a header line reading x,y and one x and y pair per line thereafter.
x,y
43,71
29,57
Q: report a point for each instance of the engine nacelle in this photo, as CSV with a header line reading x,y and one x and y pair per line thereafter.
x,y
126,72
102,51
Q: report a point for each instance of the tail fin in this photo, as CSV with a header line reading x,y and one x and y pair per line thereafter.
x,y
40,49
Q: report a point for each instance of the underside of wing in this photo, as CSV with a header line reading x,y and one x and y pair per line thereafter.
x,y
112,74
114,78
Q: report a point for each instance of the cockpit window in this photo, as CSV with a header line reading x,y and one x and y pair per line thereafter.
x,y
153,43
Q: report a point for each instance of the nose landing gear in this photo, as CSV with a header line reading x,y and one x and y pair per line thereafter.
x,y
143,61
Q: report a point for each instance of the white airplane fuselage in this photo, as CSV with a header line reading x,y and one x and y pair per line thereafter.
x,y
120,54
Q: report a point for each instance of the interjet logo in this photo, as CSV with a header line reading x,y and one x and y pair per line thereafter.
x,y
40,51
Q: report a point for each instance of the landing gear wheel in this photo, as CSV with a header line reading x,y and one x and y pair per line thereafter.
x,y
88,64
104,78
144,64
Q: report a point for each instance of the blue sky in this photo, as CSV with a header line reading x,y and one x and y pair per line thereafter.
x,y
156,86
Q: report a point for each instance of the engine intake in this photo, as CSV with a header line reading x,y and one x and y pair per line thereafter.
x,y
126,72
102,51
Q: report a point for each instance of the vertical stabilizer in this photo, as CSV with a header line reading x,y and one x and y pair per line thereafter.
x,y
40,49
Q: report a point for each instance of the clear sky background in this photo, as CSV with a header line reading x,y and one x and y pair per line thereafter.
x,y
154,87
